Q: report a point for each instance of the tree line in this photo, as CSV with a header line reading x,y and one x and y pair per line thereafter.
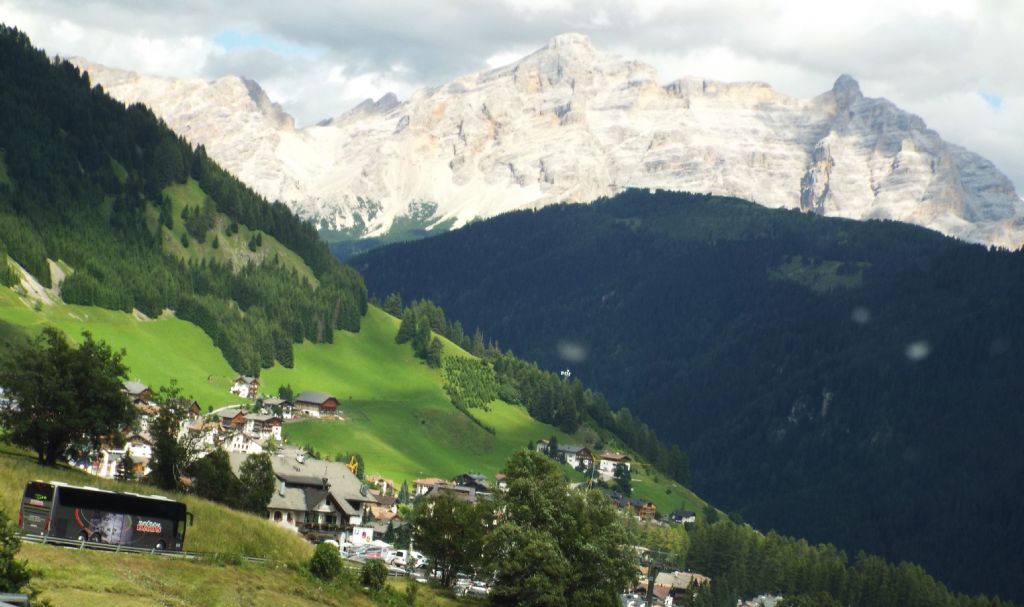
x,y
547,397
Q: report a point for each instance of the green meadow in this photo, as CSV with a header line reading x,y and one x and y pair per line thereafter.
x,y
394,410
157,350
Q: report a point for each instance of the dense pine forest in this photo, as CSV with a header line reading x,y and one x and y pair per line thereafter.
x,y
84,180
849,382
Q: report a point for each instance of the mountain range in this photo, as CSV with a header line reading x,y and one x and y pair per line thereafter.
x,y
569,123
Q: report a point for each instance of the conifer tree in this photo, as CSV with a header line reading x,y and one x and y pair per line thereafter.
x,y
125,468
408,327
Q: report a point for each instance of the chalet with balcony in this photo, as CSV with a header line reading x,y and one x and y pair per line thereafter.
x,y
316,404
609,460
319,499
232,418
246,386
137,391
263,426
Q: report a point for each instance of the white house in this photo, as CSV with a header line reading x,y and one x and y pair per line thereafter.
x,y
319,499
139,445
609,460
263,426
246,386
240,441
422,485
574,455
277,406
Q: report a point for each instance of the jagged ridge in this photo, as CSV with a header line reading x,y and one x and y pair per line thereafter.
x,y
569,123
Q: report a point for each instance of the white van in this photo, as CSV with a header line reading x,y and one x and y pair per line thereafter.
x,y
406,558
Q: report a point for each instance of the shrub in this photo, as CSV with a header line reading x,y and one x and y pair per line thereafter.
x,y
326,562
374,574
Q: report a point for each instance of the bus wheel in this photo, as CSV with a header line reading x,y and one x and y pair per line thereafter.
x,y
159,545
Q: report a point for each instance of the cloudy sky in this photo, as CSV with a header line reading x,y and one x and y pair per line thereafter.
x,y
956,63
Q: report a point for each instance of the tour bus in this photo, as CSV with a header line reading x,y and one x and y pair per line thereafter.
x,y
55,509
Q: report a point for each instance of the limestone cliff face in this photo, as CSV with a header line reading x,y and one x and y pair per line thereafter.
x,y
570,123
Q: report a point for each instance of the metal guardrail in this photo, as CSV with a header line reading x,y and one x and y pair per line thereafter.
x,y
352,563
119,549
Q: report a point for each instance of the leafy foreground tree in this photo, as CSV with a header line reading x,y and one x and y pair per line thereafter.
x,y
451,532
374,574
556,546
214,480
67,397
257,479
14,574
171,456
326,562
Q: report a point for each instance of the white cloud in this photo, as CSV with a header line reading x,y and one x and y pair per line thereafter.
x,y
932,57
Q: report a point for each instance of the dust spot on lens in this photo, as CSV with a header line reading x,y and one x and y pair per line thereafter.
x,y
918,350
571,351
861,315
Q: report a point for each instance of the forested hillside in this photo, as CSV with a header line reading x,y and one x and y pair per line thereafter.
x,y
91,183
849,382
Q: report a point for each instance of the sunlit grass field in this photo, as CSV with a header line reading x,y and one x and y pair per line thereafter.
x,y
395,412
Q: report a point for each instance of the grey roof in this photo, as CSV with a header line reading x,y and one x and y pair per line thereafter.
x,y
466,493
260,417
300,484
570,448
230,412
273,401
135,387
678,579
310,396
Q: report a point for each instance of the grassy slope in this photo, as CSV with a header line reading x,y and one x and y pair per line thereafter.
x,y
232,249
399,419
397,415
157,350
83,578
216,529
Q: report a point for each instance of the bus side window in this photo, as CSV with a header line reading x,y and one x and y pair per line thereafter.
x,y
181,528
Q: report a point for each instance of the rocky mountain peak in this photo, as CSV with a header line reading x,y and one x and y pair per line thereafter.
x,y
570,40
846,91
272,110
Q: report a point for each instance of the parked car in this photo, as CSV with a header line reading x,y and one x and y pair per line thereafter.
x,y
406,558
478,588
371,552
